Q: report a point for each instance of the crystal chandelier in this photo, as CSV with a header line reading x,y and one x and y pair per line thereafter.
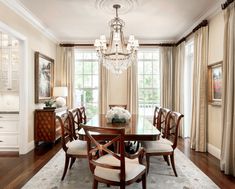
x,y
117,56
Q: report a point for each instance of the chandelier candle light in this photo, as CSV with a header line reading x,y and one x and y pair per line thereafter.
x,y
117,56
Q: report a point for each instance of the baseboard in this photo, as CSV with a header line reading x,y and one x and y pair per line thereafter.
x,y
30,146
214,150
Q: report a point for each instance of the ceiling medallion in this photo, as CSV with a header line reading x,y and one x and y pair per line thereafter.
x,y
107,5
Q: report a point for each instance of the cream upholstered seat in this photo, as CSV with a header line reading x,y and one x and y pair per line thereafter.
x,y
73,148
133,168
77,147
165,147
111,167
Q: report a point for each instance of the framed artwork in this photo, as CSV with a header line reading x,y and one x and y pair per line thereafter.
x,y
215,83
44,77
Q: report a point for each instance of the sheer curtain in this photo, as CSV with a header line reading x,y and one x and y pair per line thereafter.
x,y
178,75
65,71
103,89
227,162
199,98
132,89
166,76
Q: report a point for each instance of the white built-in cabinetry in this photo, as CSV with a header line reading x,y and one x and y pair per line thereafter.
x,y
9,132
9,63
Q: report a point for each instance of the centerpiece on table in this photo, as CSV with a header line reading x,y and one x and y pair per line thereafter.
x,y
118,115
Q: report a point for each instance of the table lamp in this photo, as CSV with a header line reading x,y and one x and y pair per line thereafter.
x,y
60,93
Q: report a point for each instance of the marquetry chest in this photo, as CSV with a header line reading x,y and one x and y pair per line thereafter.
x,y
45,127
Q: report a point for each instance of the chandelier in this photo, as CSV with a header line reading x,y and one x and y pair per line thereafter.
x,y
118,55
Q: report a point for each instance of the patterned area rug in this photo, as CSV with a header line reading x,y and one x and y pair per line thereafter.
x,y
160,175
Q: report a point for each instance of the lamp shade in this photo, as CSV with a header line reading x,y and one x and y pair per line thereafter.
x,y
60,91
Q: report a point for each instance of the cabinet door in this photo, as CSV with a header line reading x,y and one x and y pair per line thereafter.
x,y
9,63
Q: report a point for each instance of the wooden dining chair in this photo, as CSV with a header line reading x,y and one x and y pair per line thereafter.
x,y
161,147
73,148
75,115
113,167
118,105
161,125
83,114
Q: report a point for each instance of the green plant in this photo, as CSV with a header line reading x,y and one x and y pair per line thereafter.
x,y
49,103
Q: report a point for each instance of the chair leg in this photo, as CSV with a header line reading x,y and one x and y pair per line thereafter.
x,y
122,186
166,159
95,184
148,162
65,166
72,162
173,164
144,181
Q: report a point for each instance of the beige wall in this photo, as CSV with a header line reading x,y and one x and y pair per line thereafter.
x,y
216,27
36,42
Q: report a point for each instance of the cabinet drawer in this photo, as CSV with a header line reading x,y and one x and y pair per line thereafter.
x,y
8,126
9,140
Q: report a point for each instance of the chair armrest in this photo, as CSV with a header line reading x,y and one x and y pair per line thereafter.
x,y
139,154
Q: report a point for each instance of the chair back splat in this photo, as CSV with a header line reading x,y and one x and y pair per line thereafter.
x,y
107,161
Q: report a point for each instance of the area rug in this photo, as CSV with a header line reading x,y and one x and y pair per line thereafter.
x,y
160,175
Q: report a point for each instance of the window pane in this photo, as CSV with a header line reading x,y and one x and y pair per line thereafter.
x,y
86,81
78,67
148,81
148,69
87,67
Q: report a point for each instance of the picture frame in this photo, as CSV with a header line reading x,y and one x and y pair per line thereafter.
x,y
215,83
44,77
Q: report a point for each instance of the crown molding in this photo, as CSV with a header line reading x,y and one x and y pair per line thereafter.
x,y
206,16
22,11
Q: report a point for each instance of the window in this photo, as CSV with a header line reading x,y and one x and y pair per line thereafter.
x,y
148,81
86,81
188,72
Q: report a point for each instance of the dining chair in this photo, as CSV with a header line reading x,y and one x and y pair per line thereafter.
x,y
73,148
162,121
113,167
161,147
118,105
83,114
76,119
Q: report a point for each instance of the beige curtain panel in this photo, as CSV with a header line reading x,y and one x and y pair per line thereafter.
x,y
166,54
227,162
199,97
65,71
132,89
178,82
103,89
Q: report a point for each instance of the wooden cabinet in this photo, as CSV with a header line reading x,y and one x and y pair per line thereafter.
x,y
45,127
9,134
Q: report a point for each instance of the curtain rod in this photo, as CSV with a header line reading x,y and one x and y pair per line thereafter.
x,y
90,45
202,24
226,4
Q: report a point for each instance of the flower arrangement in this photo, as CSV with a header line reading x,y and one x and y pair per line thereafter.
x,y
118,115
49,103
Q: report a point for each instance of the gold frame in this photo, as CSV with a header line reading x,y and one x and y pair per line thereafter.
x,y
44,77
215,98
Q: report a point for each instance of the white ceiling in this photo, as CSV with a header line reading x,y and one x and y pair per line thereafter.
x,y
149,20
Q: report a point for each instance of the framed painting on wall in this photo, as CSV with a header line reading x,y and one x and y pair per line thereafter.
x,y
44,77
215,83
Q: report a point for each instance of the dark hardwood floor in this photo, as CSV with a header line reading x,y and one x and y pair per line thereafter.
x,y
16,170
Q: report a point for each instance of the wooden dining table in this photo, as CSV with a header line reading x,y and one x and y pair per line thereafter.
x,y
137,129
